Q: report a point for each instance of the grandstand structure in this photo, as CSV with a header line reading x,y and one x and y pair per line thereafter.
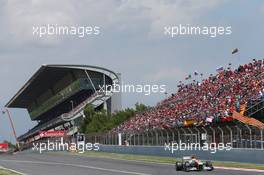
x,y
56,95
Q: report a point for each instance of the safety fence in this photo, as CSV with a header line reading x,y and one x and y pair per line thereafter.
x,y
238,135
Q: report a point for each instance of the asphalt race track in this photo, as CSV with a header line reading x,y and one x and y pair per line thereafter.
x,y
59,164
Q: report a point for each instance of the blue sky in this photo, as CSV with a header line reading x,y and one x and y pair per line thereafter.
x,y
131,42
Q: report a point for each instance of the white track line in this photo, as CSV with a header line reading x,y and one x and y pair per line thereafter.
x,y
14,171
240,169
76,165
160,163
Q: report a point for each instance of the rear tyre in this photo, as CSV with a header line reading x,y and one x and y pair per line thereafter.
x,y
187,167
200,168
178,166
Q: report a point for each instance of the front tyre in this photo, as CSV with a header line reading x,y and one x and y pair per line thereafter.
x,y
209,166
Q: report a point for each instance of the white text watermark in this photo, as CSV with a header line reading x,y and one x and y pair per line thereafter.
x,y
79,147
212,147
146,89
211,31
60,30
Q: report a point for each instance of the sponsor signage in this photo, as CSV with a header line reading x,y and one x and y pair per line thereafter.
x,y
3,146
204,136
59,133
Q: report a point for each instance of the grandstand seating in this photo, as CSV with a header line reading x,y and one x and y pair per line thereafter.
x,y
204,103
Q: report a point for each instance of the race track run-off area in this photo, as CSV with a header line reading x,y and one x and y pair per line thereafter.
x,y
61,164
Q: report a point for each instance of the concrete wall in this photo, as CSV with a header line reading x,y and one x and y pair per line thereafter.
x,y
234,155
116,99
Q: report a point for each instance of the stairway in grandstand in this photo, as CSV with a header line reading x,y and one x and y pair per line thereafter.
x,y
248,120
252,110
95,100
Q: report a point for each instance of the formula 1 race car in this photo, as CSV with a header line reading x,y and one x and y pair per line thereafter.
x,y
191,163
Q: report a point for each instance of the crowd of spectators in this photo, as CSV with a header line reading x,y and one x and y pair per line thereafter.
x,y
203,103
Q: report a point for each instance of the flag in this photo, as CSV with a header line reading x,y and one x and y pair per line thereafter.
x,y
188,77
220,69
209,119
188,122
234,51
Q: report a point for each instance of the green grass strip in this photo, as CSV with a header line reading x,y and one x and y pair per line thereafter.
x,y
6,172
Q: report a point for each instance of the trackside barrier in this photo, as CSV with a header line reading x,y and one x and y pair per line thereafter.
x,y
233,155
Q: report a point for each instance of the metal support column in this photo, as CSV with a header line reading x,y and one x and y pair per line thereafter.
x,y
198,135
250,135
231,135
261,138
222,134
213,134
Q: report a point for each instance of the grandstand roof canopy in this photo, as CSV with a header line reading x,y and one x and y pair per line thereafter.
x,y
44,78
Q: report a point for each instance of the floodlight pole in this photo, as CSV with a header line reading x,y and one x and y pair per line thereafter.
x,y
12,125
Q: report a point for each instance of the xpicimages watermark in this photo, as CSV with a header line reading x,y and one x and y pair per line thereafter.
x,y
60,30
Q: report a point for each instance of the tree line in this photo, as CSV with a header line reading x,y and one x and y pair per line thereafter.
x,y
100,121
